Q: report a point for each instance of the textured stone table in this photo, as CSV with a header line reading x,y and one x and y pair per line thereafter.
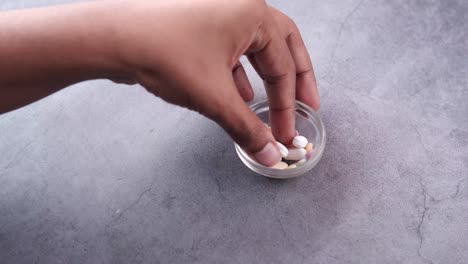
x,y
89,175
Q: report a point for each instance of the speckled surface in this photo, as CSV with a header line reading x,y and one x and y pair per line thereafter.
x,y
105,173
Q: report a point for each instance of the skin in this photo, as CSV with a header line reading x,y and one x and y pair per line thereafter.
x,y
186,52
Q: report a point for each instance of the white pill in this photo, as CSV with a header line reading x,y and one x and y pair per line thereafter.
x,y
283,149
301,162
300,142
296,154
280,165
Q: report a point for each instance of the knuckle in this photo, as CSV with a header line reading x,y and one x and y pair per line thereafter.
x,y
291,26
277,78
290,22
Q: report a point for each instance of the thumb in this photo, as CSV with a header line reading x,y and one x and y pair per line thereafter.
x,y
246,129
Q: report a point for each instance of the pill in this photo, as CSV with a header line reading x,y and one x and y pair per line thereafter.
x,y
280,165
300,142
283,149
292,166
296,154
309,147
310,155
301,162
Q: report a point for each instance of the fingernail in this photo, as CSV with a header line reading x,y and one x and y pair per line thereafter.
x,y
269,155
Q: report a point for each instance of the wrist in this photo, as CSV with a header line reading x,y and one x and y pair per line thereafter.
x,y
101,41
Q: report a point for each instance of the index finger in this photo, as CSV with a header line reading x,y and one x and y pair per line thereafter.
x,y
275,66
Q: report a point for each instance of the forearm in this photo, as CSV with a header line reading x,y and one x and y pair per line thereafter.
x,y
44,50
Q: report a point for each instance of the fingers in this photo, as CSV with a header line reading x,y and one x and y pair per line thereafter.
x,y
243,125
242,82
306,84
275,65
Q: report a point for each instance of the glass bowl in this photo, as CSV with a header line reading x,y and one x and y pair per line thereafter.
x,y
308,123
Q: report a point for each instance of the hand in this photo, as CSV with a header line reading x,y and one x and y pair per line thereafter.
x,y
187,52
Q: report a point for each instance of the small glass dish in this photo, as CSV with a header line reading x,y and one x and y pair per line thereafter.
x,y
308,123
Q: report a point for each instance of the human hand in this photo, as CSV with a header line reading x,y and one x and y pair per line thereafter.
x,y
187,52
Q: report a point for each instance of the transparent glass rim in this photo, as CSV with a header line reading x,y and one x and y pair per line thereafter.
x,y
294,172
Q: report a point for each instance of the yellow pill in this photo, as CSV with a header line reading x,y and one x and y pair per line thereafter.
x,y
292,166
309,147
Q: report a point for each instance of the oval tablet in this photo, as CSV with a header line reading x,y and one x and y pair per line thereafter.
x,y
300,142
309,147
296,154
280,165
301,162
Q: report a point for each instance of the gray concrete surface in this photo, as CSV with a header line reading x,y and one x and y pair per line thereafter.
x,y
104,173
